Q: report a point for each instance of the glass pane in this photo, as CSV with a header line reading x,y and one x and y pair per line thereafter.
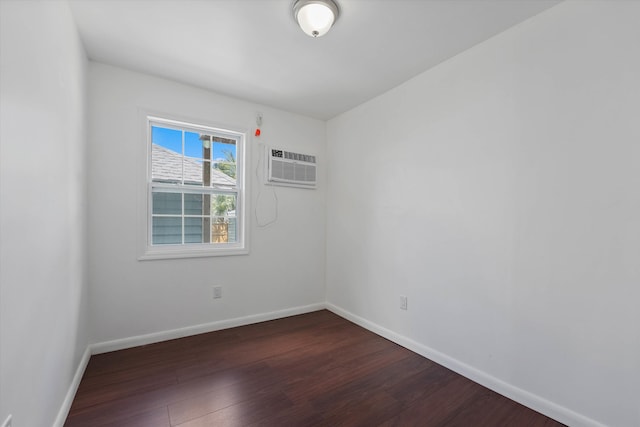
x,y
221,175
223,211
224,160
194,169
193,204
166,230
223,205
171,139
193,230
167,203
197,146
166,155
232,229
219,231
224,150
198,155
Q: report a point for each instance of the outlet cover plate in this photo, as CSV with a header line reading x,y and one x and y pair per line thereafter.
x,y
217,292
403,302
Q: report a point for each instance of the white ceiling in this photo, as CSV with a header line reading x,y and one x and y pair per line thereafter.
x,y
253,49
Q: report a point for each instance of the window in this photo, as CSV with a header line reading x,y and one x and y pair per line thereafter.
x,y
195,203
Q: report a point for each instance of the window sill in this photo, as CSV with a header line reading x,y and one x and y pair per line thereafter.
x,y
178,252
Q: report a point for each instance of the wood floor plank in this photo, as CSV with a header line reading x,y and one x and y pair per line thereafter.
x,y
243,413
437,408
315,369
120,409
261,383
158,417
361,409
325,380
121,387
360,387
297,415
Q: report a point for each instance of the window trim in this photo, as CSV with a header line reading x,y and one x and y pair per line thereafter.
x,y
191,250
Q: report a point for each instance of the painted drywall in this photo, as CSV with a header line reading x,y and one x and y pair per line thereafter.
x,y
500,192
43,280
286,264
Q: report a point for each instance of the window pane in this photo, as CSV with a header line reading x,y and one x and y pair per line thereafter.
x,y
222,205
166,230
227,168
223,210
224,150
194,170
166,155
167,203
232,230
171,139
193,230
219,232
195,145
224,161
197,160
220,176
193,204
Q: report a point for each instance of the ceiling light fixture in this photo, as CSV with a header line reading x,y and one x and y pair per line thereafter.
x,y
315,17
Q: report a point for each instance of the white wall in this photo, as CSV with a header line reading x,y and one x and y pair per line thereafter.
x,y
500,191
43,291
130,298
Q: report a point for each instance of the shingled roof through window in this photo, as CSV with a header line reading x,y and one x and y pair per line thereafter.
x,y
166,166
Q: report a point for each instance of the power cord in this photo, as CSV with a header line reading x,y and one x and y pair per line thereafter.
x,y
264,222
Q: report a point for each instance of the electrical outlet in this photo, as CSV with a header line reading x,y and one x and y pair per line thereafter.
x,y
217,292
7,422
403,302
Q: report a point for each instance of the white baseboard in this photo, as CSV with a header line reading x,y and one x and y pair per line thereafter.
x,y
155,337
73,388
535,402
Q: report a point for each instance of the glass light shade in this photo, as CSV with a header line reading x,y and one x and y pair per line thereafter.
x,y
315,17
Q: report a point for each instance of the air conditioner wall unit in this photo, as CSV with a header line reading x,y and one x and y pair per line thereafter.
x,y
291,169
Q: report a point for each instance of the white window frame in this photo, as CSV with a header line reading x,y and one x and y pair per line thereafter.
x,y
193,250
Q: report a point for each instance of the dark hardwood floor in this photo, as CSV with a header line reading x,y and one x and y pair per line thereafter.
x,y
315,369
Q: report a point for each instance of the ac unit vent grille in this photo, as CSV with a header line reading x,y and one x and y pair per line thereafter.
x,y
300,157
291,169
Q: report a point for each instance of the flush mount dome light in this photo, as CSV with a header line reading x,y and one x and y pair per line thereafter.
x,y
315,17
